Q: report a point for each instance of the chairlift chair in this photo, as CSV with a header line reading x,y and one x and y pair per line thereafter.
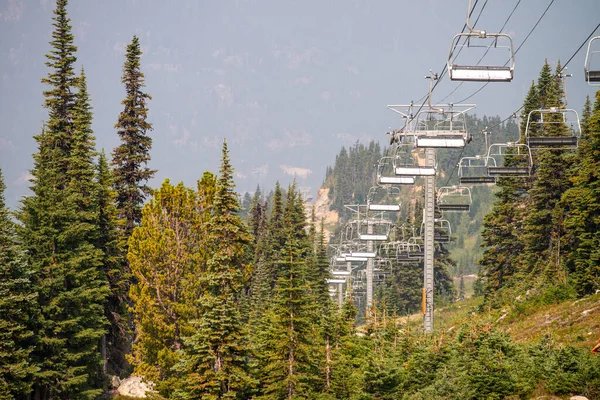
x,y
442,232
552,117
383,198
473,170
380,229
405,165
481,40
510,159
592,62
415,251
449,131
387,174
454,198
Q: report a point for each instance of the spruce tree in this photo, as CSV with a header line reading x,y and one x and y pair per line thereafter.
x,y
214,364
503,226
116,344
131,157
59,231
18,311
582,213
542,228
288,365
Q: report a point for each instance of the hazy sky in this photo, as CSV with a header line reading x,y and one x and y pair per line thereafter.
x,y
286,82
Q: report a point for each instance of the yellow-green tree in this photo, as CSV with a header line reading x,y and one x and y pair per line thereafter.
x,y
165,260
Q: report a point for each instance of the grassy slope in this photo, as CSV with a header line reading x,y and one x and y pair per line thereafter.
x,y
573,322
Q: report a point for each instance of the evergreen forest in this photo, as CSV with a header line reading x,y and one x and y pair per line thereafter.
x,y
208,294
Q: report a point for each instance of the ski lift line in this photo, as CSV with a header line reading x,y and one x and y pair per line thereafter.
x,y
555,75
516,51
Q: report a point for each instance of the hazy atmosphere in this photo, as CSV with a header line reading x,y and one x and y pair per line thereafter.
x,y
287,83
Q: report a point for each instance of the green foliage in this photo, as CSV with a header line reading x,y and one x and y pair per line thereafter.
x,y
582,210
352,175
132,155
18,311
165,261
214,360
116,344
59,231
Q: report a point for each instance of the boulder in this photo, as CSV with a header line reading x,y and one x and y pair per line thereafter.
x,y
115,381
134,387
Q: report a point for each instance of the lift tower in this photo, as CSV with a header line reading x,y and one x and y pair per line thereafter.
x,y
435,126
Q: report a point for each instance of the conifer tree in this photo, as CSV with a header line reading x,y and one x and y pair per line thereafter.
x,y
116,343
262,275
257,210
503,226
582,210
542,230
165,260
131,157
287,352
214,364
18,311
59,232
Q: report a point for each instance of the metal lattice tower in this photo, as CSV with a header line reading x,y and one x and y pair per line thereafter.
x,y
428,219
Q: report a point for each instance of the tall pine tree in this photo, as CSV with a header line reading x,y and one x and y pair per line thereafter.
x,y
131,157
59,231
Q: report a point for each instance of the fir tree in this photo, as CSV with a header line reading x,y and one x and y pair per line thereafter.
x,y
133,154
542,230
214,364
288,365
18,311
59,99
59,231
503,226
117,341
582,213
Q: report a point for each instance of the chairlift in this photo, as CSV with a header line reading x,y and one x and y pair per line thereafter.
x,y
340,272
480,40
387,174
439,127
454,198
363,254
415,251
473,170
552,117
405,165
383,198
592,63
442,232
510,159
380,229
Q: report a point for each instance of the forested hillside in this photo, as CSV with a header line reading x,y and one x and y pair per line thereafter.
x,y
103,277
